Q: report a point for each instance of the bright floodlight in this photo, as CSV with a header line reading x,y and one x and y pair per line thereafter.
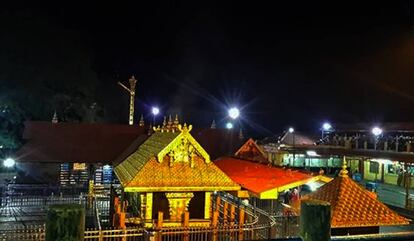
x,y
326,126
9,162
291,130
155,110
229,125
376,131
234,113
311,153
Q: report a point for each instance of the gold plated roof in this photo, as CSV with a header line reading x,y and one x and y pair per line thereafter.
x,y
156,176
169,161
353,206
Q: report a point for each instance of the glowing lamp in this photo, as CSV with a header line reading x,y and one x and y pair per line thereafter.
x,y
376,131
291,130
234,113
155,111
229,125
9,162
326,126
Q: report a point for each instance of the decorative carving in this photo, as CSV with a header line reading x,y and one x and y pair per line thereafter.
x,y
184,148
178,204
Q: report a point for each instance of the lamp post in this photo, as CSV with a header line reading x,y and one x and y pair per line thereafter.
x,y
291,130
155,111
376,131
326,127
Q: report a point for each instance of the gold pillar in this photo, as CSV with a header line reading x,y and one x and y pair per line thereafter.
x,y
207,205
178,203
148,206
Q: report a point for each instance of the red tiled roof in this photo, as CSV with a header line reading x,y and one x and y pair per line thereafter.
x,y
257,177
353,206
76,142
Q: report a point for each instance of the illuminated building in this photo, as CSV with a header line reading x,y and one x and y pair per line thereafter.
x,y
171,173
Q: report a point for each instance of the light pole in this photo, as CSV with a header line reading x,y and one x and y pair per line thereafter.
x,y
326,127
376,131
155,111
291,130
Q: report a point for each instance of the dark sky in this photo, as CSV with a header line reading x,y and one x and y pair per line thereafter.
x,y
296,63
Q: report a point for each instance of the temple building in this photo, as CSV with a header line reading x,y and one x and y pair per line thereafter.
x,y
263,184
172,174
72,154
354,209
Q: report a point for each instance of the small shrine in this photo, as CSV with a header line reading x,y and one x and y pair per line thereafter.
x,y
251,151
354,209
171,176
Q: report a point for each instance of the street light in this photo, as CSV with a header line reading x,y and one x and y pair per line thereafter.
x,y
326,127
155,111
234,113
229,125
9,162
377,132
291,130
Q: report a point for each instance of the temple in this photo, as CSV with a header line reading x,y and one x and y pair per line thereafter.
x,y
172,175
354,209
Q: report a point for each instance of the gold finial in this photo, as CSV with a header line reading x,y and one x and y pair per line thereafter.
x,y
141,121
164,123
344,172
170,120
176,122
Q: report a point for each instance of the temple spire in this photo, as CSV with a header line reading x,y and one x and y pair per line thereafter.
x,y
344,172
170,122
241,136
164,123
176,122
213,125
141,121
55,118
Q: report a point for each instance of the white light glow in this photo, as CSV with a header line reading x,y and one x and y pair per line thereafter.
x,y
229,125
291,130
376,131
312,186
9,162
234,113
155,110
106,167
326,126
311,153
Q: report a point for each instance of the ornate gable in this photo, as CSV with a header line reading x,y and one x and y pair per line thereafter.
x,y
184,148
251,151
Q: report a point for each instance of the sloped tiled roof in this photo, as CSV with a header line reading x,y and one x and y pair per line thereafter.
x,y
251,151
353,206
143,171
203,176
130,167
258,178
75,142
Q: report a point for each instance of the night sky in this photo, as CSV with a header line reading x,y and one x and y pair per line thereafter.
x,y
284,64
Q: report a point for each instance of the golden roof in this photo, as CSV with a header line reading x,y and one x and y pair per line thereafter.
x,y
353,206
172,161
